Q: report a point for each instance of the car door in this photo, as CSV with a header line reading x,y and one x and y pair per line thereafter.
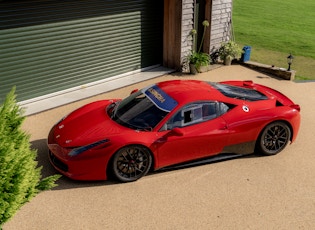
x,y
195,131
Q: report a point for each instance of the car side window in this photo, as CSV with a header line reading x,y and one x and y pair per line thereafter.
x,y
223,108
193,114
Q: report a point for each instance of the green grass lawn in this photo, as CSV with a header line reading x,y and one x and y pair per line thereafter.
x,y
275,28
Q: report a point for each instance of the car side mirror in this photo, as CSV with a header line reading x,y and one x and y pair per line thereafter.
x,y
134,91
177,132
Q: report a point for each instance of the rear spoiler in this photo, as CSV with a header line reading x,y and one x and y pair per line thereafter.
x,y
276,94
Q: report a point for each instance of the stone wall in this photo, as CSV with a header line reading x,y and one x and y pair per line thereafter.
x,y
220,26
187,26
273,70
221,23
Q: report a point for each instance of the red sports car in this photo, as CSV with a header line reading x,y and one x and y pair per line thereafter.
x,y
169,123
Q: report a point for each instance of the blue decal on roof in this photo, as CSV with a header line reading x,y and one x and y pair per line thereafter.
x,y
160,98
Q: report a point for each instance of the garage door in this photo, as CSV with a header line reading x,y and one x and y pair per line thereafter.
x,y
49,46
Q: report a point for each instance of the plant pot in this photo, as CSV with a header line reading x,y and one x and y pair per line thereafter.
x,y
228,60
203,69
193,69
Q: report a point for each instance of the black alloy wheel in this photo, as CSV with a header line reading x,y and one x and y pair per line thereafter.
x,y
131,163
274,138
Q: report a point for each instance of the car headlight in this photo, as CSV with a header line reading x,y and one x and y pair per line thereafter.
x,y
79,150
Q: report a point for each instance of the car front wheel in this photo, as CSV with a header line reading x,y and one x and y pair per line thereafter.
x,y
131,163
274,138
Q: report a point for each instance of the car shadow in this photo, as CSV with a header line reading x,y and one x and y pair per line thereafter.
x,y
65,183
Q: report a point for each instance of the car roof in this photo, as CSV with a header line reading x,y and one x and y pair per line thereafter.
x,y
185,91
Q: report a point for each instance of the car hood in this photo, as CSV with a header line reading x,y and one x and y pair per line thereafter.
x,y
86,125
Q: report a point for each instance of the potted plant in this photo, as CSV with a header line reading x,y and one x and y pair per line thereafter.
x,y
229,51
198,59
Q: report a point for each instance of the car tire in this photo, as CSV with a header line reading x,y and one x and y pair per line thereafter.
x,y
274,138
130,163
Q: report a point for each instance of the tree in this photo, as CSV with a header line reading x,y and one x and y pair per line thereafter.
x,y
20,176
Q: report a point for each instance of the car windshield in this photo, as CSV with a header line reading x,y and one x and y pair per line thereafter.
x,y
144,109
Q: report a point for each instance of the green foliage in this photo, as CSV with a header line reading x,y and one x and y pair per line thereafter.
x,y
20,178
278,26
205,24
230,49
199,58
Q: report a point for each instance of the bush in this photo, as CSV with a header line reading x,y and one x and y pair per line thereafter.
x,y
230,49
20,178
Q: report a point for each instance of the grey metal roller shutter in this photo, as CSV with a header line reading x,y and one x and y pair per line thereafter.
x,y
48,46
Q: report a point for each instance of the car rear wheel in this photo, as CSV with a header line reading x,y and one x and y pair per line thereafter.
x,y
274,138
131,163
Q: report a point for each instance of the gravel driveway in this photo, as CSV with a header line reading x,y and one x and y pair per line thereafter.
x,y
276,192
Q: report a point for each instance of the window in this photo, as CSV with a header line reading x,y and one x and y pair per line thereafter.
x,y
138,112
223,108
239,92
193,114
